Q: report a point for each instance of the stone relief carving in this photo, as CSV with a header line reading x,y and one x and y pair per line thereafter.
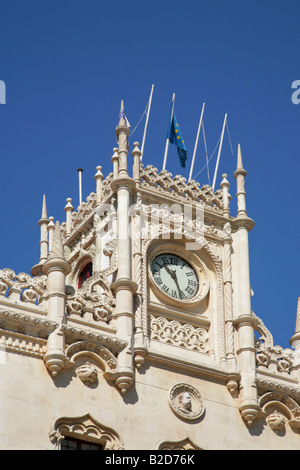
x,y
87,347
87,373
21,287
178,188
183,444
186,402
276,421
278,409
184,335
94,298
269,357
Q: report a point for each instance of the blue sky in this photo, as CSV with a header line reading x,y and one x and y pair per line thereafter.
x,y
67,64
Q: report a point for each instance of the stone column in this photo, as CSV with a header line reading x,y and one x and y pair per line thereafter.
x,y
245,321
56,268
124,286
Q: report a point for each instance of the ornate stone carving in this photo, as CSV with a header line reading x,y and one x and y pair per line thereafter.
x,y
183,444
178,334
94,297
276,421
83,427
85,347
178,189
279,408
186,402
87,373
21,287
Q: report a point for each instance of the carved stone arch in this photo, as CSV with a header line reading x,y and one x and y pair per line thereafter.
x,y
183,444
85,428
100,354
99,279
278,407
265,335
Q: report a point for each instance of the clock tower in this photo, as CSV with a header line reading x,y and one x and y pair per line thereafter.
x,y
136,326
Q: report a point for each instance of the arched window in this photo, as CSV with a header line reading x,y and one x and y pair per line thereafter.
x,y
83,433
69,443
85,274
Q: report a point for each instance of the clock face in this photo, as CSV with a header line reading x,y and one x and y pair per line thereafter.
x,y
175,276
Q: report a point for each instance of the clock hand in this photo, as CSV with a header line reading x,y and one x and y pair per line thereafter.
x,y
176,282
174,277
169,271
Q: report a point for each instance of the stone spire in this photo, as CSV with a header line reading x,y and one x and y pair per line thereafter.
x,y
298,317
57,249
123,131
296,336
98,178
43,222
295,342
226,196
240,174
245,322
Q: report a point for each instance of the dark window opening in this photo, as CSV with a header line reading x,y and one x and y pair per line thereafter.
x,y
85,274
69,443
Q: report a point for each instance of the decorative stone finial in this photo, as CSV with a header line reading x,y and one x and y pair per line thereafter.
x,y
240,174
226,196
57,249
123,131
298,317
136,153
43,222
99,174
68,210
51,228
44,209
56,258
239,168
295,339
115,162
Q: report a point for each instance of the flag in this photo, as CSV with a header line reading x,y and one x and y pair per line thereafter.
x,y
122,116
175,137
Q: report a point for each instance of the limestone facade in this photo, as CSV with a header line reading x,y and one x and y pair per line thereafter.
x,y
135,329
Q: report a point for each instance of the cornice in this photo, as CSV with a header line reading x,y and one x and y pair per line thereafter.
x,y
114,344
11,317
205,371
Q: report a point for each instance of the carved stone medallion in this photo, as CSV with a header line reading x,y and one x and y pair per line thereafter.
x,y
186,402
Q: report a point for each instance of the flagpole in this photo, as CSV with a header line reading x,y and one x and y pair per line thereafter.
x,y
167,141
146,123
196,143
219,153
